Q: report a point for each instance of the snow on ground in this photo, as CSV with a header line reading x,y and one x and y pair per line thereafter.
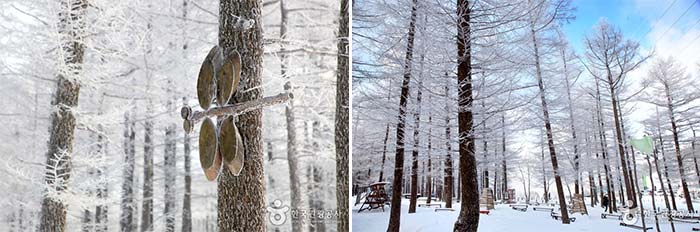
x,y
502,218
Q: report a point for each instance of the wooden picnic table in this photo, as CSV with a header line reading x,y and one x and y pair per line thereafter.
x,y
376,198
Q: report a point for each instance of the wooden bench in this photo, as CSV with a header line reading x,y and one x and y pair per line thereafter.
x,y
682,220
430,205
487,212
521,208
634,226
611,216
545,209
558,217
444,209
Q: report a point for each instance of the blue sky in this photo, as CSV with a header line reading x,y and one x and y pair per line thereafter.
x,y
639,20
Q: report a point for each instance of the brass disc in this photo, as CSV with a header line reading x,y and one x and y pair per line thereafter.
x,y
211,162
228,77
187,125
231,146
205,81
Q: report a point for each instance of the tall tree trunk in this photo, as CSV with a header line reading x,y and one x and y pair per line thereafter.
x,y
636,182
653,193
663,157
187,198
101,210
448,180
604,149
126,220
572,123
342,103
386,140
674,130
545,179
147,200
416,145
187,195
619,141
548,129
468,219
71,26
429,184
395,215
504,167
170,172
292,159
241,199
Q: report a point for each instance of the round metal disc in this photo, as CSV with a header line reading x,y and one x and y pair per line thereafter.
x,y
231,146
187,125
228,77
208,149
205,81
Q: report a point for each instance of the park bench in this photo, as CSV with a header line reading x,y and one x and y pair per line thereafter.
x,y
430,205
487,212
444,209
610,216
522,208
545,209
556,216
635,226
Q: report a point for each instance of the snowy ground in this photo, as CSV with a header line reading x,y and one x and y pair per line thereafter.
x,y
503,218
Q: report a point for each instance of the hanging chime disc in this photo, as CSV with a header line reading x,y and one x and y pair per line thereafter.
x,y
208,157
231,146
228,77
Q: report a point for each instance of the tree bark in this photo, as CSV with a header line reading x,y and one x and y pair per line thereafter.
x,y
416,144
548,128
468,219
604,149
674,130
187,196
71,26
342,103
395,215
292,159
429,183
126,222
448,179
241,199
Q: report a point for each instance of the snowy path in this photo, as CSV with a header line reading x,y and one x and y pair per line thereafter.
x,y
503,218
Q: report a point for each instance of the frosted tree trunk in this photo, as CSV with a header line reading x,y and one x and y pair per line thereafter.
x,y
674,130
572,122
292,159
548,129
395,214
126,220
102,209
147,204
619,141
504,167
71,28
604,149
187,198
170,174
429,184
342,104
468,219
241,199
448,180
416,144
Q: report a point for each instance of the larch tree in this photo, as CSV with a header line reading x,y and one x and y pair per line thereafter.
x,y
397,183
241,199
342,117
71,28
673,89
608,52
